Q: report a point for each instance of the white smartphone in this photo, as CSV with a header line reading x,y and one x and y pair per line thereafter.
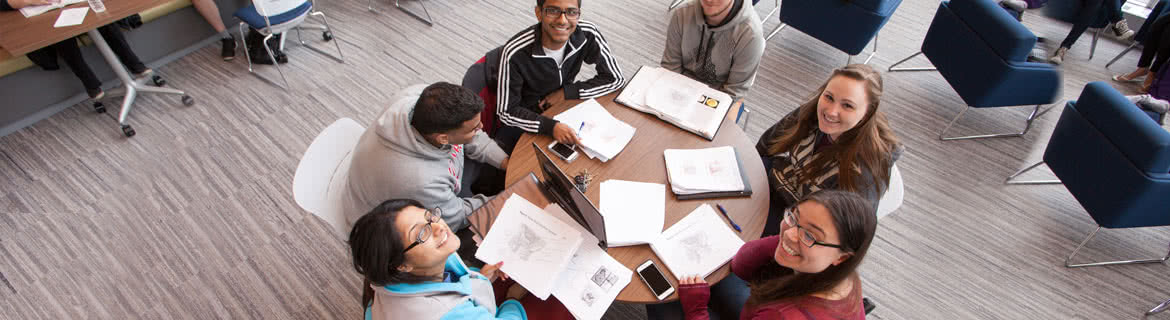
x,y
655,280
565,151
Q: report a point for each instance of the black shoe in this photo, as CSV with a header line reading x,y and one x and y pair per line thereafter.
x,y
868,305
229,48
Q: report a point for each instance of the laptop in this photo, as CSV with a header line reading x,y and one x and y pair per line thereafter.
x,y
560,188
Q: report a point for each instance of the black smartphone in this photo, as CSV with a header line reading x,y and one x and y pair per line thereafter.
x,y
655,280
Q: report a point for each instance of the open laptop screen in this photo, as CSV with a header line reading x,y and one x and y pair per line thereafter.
x,y
568,197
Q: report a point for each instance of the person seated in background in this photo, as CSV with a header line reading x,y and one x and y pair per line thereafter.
x,y
1088,13
210,12
69,51
427,145
537,69
407,257
839,139
809,271
1155,53
716,42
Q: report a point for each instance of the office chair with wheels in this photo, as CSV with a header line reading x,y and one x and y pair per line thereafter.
x,y
274,17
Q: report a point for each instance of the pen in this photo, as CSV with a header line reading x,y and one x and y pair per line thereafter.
x,y
582,126
724,211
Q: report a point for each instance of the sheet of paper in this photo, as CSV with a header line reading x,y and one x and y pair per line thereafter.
x,y
593,278
31,11
703,170
698,244
533,245
602,135
634,211
634,94
71,17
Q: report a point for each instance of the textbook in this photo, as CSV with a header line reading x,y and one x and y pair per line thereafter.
x,y
674,98
706,173
697,245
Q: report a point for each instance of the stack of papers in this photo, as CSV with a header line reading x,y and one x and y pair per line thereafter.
x,y
697,244
602,135
31,11
634,211
530,242
698,171
682,101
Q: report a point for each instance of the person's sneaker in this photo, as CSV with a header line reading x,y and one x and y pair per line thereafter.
x,y
1121,30
143,74
95,94
1058,57
229,48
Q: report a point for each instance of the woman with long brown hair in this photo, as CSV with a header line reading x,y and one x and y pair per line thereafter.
x,y
809,271
838,139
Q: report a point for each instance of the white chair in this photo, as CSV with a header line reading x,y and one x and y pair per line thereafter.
x,y
892,199
275,17
323,172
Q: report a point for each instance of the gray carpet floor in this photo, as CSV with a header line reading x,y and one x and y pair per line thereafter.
x,y
194,217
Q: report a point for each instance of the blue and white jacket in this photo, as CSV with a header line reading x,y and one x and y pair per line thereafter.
x,y
470,297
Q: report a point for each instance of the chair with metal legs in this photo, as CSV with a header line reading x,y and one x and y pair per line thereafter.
x,y
273,18
848,26
1115,160
428,20
1069,11
1157,309
982,52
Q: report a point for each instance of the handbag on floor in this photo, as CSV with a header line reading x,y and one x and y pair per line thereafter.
x,y
257,52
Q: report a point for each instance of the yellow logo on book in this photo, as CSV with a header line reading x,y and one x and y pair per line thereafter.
x,y
708,101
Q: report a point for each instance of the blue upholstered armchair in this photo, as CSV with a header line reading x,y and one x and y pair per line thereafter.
x,y
982,52
1115,160
846,25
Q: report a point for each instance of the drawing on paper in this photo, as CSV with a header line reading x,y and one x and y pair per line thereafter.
x,y
588,297
696,246
604,278
525,243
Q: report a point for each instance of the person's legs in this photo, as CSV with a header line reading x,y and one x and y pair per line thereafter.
x,y
728,296
210,12
69,52
121,48
1085,17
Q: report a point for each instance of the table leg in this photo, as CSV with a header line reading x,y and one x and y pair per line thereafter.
x,y
130,87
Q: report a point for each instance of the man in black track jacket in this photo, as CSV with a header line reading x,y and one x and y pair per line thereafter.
x,y
535,69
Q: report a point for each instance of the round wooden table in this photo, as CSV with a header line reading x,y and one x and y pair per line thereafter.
x,y
642,161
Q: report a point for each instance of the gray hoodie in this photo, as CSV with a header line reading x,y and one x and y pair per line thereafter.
x,y
393,160
724,57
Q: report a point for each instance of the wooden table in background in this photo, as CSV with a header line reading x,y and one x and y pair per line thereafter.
x,y
20,35
642,161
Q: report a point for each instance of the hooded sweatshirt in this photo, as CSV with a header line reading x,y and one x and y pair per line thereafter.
x,y
725,57
468,296
392,160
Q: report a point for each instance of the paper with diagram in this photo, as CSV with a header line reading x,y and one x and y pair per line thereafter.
x,y
592,279
530,242
602,135
698,244
693,171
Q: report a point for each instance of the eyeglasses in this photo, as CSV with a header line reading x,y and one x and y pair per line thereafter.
x,y
554,12
424,232
806,237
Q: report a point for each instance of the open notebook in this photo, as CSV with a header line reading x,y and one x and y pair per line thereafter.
x,y
674,98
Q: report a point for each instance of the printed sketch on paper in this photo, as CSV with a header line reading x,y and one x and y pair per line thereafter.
x,y
696,246
588,297
604,278
525,243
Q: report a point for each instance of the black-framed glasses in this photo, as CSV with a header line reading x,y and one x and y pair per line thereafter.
x,y
807,238
554,12
424,229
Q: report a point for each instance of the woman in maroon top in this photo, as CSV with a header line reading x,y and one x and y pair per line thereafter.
x,y
808,271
